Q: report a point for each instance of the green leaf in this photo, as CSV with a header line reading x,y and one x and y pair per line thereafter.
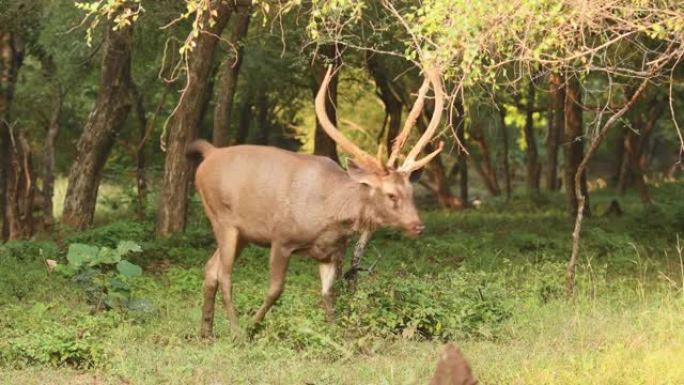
x,y
118,285
79,254
106,256
128,269
125,247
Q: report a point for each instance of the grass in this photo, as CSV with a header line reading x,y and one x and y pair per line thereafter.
x,y
490,279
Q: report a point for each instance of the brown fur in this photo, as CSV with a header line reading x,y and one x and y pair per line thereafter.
x,y
453,369
294,203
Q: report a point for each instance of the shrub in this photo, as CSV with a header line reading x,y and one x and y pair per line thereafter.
x,y
103,274
110,234
37,339
443,306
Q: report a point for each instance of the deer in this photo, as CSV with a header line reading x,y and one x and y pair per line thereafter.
x,y
300,204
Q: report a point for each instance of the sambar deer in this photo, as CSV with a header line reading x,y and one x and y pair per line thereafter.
x,y
304,204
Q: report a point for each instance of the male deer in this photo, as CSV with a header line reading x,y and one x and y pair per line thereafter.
x,y
304,204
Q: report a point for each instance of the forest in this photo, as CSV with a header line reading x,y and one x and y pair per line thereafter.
x,y
141,154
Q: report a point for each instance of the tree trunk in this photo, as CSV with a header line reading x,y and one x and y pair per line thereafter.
x,y
625,172
436,171
225,95
323,144
52,130
533,166
634,144
140,179
459,124
20,187
556,120
504,139
484,167
49,161
104,123
11,58
262,119
183,126
389,97
244,122
574,145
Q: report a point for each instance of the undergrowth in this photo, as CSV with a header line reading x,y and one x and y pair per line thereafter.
x,y
491,280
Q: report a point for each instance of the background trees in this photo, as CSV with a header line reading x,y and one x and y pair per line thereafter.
x,y
532,87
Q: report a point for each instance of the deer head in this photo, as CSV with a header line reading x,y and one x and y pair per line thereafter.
x,y
391,193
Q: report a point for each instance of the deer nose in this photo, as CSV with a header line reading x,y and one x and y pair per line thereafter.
x,y
416,228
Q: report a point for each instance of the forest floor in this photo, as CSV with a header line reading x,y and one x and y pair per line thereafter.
x,y
491,280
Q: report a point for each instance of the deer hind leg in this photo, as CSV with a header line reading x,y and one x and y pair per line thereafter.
x,y
210,288
229,249
328,271
278,260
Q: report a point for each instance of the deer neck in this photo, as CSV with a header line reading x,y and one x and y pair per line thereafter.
x,y
355,208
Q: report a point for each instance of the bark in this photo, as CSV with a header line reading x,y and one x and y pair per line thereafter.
x,y
574,146
621,162
438,181
580,193
183,127
533,166
262,119
634,144
504,139
244,122
459,123
485,167
140,180
20,187
52,130
556,120
323,145
104,123
146,127
11,58
223,112
49,161
389,97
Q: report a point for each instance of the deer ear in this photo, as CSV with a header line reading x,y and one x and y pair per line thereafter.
x,y
415,175
360,175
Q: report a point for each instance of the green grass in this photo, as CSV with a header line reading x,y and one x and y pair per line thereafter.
x,y
491,280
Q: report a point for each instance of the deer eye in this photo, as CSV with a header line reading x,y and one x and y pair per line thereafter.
x,y
392,197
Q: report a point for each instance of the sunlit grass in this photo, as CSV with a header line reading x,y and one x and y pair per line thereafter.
x,y
111,198
624,326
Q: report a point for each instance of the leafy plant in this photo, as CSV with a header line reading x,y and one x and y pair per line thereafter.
x,y
104,274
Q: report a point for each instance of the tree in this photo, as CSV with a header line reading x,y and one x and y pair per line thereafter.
x,y
52,130
13,155
634,142
323,144
484,165
573,144
389,96
184,122
533,165
104,123
556,119
225,94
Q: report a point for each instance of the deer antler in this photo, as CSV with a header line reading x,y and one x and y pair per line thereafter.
x,y
432,74
411,119
364,160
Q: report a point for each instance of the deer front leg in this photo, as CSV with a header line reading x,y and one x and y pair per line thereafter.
x,y
278,261
328,271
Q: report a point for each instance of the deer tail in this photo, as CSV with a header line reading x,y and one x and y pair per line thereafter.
x,y
199,147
